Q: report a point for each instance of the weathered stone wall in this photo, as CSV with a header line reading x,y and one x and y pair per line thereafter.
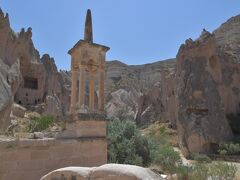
x,y
31,159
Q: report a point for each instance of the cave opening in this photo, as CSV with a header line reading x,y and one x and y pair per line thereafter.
x,y
211,147
30,83
234,122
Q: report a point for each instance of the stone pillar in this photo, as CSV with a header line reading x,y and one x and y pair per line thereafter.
x,y
73,91
91,91
101,90
81,93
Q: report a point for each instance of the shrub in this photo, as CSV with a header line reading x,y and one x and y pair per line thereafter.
x,y
201,158
222,152
229,149
167,158
184,172
126,144
38,124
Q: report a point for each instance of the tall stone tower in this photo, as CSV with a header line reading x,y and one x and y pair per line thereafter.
x,y
87,120
87,65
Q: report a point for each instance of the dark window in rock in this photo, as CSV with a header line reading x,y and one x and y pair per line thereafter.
x,y
35,101
26,94
30,83
234,122
19,102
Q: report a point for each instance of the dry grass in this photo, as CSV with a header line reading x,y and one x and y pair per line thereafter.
x,y
162,130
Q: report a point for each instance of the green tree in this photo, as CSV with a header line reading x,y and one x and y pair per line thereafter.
x,y
126,144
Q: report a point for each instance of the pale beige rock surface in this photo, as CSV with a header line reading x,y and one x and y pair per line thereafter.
x,y
18,110
106,172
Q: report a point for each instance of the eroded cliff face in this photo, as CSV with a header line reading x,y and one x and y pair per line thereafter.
x,y
25,77
145,91
207,85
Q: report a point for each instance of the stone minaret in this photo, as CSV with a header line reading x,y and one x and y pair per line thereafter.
x,y
87,62
88,34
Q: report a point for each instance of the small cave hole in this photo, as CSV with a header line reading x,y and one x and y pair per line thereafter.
x,y
234,122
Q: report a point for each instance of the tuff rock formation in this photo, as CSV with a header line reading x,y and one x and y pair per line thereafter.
x,y
25,77
146,91
207,88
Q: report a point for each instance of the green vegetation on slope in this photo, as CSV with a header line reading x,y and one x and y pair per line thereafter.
x,y
154,147
38,124
127,145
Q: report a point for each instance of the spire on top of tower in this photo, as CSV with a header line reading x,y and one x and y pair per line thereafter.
x,y
88,34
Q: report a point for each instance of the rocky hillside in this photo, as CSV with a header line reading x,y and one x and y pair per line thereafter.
x,y
139,90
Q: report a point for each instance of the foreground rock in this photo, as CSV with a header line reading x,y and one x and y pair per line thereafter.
x,y
18,110
108,171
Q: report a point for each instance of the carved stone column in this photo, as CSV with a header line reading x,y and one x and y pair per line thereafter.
x,y
74,91
101,90
81,93
91,91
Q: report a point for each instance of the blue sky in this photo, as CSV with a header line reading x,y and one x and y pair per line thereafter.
x,y
137,31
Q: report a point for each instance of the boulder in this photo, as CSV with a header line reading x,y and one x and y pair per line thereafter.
x,y
123,172
108,172
18,110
